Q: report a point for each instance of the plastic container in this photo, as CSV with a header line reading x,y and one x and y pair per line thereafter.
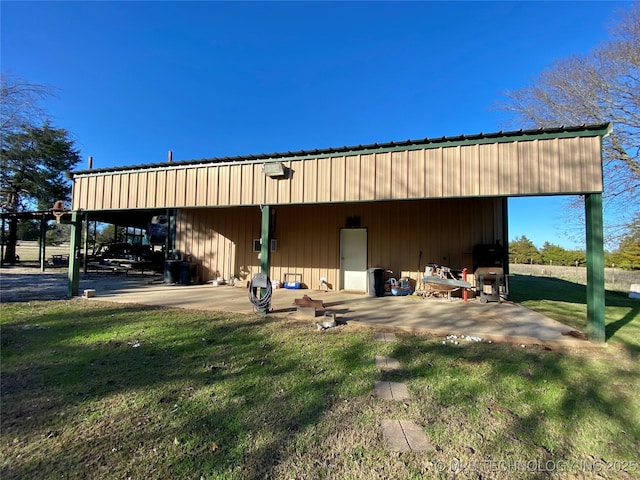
x,y
171,271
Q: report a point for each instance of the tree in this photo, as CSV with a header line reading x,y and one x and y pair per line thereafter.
x,y
20,103
556,255
522,250
29,230
108,234
628,253
34,161
599,87
553,254
58,234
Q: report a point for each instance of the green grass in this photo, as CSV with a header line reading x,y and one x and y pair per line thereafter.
x,y
98,390
566,302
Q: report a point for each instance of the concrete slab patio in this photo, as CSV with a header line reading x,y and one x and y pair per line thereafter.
x,y
491,321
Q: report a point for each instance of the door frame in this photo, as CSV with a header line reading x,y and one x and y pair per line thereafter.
x,y
340,257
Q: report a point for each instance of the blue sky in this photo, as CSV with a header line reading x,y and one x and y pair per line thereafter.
x,y
215,79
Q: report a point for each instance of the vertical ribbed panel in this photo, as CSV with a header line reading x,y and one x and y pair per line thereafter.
x,y
143,184
310,192
191,193
324,180
291,190
181,187
224,176
469,170
170,188
247,188
352,178
152,189
308,236
537,166
235,185
383,175
416,180
399,175
337,180
161,189
105,195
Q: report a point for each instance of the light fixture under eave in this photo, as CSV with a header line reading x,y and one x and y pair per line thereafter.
x,y
274,170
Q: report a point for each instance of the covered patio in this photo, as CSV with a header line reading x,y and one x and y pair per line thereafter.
x,y
494,321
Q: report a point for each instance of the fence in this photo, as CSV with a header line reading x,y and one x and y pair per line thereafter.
x,y
614,278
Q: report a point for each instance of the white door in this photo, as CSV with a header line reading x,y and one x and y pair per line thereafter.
x,y
353,259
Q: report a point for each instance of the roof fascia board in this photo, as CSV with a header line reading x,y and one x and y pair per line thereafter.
x,y
427,144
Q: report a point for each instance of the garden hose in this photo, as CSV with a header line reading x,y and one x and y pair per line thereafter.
x,y
261,304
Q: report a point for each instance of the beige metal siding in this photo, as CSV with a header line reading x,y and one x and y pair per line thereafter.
x,y
488,169
528,169
352,178
221,239
310,192
201,186
532,167
399,175
91,203
434,173
383,175
161,188
324,180
152,187
337,179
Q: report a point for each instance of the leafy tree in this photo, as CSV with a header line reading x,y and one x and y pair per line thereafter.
x,y
556,255
522,250
601,86
34,161
108,234
58,234
628,253
553,254
29,230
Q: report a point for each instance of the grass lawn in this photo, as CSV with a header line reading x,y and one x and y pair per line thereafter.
x,y
99,390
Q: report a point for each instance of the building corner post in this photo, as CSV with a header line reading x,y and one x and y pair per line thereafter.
x,y
74,261
595,268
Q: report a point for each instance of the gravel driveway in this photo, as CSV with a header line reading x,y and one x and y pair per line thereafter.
x,y
26,283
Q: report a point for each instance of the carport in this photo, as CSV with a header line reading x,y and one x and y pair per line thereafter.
x,y
402,204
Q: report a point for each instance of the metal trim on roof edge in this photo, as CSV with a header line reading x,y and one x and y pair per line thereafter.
x,y
603,130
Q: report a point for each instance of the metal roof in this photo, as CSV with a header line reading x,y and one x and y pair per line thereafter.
x,y
602,129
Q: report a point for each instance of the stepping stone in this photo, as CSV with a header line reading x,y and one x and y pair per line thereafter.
x,y
405,436
385,337
391,391
387,363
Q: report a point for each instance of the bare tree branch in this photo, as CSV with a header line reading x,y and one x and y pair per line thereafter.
x,y
603,86
20,103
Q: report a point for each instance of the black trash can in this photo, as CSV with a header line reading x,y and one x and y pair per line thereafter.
x,y
375,277
185,273
171,271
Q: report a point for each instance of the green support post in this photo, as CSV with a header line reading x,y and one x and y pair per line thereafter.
x,y
74,263
85,246
265,250
595,268
167,240
42,253
2,243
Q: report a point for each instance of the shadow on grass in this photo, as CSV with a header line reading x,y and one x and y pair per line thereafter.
x,y
212,395
620,310
513,401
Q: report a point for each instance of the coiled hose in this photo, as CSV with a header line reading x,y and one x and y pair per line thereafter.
x,y
260,304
